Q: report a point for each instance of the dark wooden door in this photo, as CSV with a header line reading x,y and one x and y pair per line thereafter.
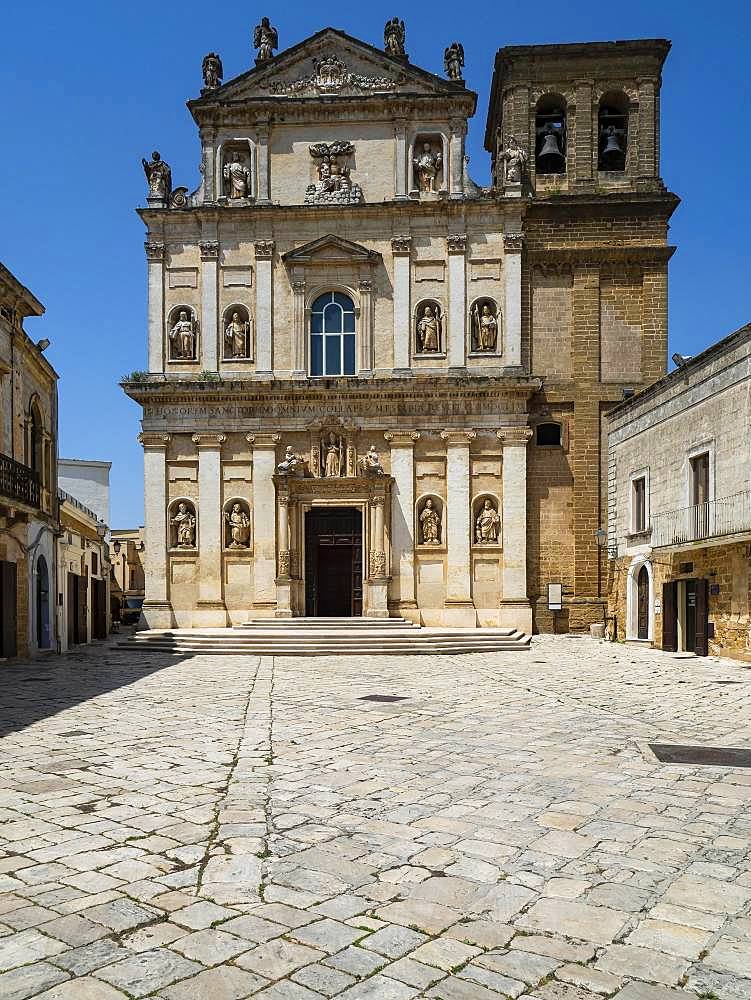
x,y
335,581
333,562
670,616
99,608
8,608
642,609
701,618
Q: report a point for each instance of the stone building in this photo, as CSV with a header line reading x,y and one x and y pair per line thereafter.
x,y
679,523
28,477
127,556
83,574
374,387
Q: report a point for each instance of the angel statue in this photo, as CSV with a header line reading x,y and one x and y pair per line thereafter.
x,y
212,71
265,39
394,37
453,61
159,176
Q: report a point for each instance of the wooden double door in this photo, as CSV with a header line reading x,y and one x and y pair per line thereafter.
x,y
333,562
685,616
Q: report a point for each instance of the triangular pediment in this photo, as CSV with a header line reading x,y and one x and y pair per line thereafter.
x,y
331,250
330,64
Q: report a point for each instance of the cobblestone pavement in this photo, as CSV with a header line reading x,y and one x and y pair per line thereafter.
x,y
213,828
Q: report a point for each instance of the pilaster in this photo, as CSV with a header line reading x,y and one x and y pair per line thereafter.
x,y
515,609
157,610
402,444
264,520
262,160
209,300
155,258
456,157
210,610
365,362
264,254
377,570
401,248
458,608
400,145
284,574
299,327
513,244
457,249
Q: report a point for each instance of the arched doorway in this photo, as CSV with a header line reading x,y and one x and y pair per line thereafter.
x,y
642,603
639,600
42,604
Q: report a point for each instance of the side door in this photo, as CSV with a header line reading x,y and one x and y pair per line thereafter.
x,y
670,617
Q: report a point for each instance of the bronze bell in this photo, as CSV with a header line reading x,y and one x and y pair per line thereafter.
x,y
612,154
550,159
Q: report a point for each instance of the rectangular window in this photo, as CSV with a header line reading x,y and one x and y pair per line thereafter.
x,y
639,504
699,485
94,564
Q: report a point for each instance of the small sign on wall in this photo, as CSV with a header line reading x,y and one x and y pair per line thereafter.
x,y
658,607
555,597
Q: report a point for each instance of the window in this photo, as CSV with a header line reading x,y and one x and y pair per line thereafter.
x,y
332,335
94,564
699,479
549,435
639,504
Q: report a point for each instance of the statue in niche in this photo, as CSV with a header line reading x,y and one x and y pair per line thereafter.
x,y
237,337
484,327
238,524
429,330
333,457
514,161
159,176
265,39
453,61
212,71
334,184
184,522
430,524
394,37
182,337
237,177
370,463
291,464
427,166
486,525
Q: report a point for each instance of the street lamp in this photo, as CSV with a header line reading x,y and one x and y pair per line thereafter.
x,y
602,536
116,547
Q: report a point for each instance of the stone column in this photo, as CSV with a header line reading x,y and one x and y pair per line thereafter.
x,y
263,196
403,519
157,610
400,146
401,248
210,609
458,608
365,359
298,328
155,258
284,577
456,158
377,578
209,297
457,248
515,607
264,251
512,326
264,520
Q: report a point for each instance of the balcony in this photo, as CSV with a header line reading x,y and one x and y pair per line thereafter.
x,y
703,522
18,482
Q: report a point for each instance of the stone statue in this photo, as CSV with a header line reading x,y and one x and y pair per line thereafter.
x,y
394,37
212,71
486,525
182,338
370,463
333,461
514,160
239,525
453,61
159,176
291,464
484,327
185,525
429,330
430,524
265,39
237,337
427,165
237,176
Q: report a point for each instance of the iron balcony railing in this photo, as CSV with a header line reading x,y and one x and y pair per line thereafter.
x,y
18,482
712,519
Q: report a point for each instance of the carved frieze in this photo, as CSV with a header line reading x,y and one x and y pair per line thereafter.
x,y
334,185
331,76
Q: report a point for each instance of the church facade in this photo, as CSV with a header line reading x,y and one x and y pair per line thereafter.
x,y
375,388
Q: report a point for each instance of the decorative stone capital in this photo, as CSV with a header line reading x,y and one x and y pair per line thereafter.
x,y
402,439
511,436
263,440
378,501
154,440
264,249
298,287
209,249
283,500
401,245
458,437
458,127
208,439
513,242
365,285
457,243
154,252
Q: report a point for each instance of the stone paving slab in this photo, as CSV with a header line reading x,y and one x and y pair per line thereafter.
x,y
216,828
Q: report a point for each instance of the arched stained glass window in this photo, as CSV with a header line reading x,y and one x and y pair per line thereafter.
x,y
332,335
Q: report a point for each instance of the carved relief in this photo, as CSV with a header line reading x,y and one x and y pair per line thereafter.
x,y
330,76
377,563
429,518
428,165
428,327
487,521
370,463
238,336
237,525
484,325
334,185
182,522
291,464
182,334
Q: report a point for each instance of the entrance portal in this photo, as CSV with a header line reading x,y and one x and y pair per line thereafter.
x,y
333,562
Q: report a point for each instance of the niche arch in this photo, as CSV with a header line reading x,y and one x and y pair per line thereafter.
x,y
237,335
480,331
182,531
236,525
422,526
486,530
180,347
427,340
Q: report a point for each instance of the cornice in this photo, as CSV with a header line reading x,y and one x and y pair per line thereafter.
x,y
594,253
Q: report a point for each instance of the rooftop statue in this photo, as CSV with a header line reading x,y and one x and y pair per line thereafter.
x,y
159,176
453,61
212,71
394,36
265,39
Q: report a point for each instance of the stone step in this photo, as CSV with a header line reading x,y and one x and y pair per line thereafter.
x,y
286,623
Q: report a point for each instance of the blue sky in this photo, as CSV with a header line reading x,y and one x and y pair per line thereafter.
x,y
90,87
